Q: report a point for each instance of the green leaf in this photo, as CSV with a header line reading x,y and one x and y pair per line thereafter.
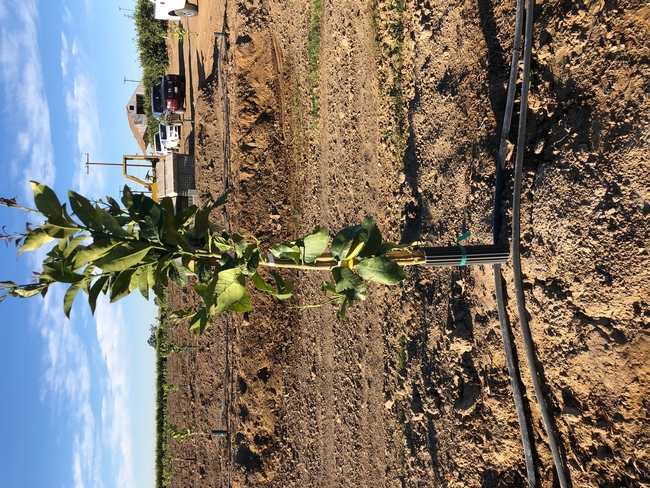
x,y
243,304
94,251
34,240
222,199
58,227
315,244
201,220
137,277
209,295
262,285
85,211
145,205
200,289
226,262
26,291
217,243
344,304
61,273
199,322
127,197
184,218
349,242
229,292
150,228
151,276
328,287
179,315
120,285
203,270
114,208
143,281
69,297
46,200
160,273
177,273
250,259
98,286
349,283
73,245
55,254
287,251
124,256
240,248
373,242
169,234
285,289
111,224
381,270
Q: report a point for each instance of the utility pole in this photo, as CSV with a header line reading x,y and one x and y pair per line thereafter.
x,y
132,81
128,16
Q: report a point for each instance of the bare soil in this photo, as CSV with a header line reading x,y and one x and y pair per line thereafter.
x,y
412,388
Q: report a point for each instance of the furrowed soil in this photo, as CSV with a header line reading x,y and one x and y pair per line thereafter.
x,y
412,388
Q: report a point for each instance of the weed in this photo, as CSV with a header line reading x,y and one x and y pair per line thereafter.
x,y
388,26
401,416
178,32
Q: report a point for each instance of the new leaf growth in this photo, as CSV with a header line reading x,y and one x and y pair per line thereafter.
x,y
107,248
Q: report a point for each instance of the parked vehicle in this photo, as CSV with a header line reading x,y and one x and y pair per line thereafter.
x,y
168,96
173,9
170,136
158,147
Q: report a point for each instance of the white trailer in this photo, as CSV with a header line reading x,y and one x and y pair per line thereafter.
x,y
174,9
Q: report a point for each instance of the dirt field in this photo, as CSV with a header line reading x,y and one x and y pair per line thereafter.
x,y
412,389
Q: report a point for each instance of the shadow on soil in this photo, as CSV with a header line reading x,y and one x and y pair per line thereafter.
x,y
573,112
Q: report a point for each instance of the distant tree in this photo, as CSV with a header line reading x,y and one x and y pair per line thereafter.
x,y
153,329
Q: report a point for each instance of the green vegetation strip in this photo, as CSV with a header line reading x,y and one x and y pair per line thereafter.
x,y
162,469
152,49
313,51
388,25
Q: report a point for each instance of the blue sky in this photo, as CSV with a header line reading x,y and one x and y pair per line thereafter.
x,y
77,397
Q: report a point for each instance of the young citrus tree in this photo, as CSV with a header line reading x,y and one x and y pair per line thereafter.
x,y
107,248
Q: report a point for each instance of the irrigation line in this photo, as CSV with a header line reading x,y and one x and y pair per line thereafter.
x,y
227,398
226,374
507,120
513,369
515,379
529,345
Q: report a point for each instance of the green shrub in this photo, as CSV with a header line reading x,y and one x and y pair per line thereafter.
x,y
152,50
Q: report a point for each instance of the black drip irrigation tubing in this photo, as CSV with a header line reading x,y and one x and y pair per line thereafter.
x,y
513,369
228,381
529,345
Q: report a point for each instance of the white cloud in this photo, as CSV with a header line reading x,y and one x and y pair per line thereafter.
x,y
22,77
64,55
67,16
68,379
116,417
81,104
